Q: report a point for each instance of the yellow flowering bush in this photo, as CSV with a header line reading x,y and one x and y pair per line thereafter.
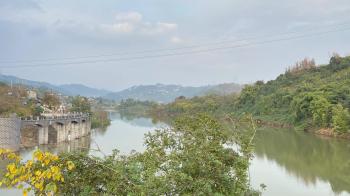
x,y
41,174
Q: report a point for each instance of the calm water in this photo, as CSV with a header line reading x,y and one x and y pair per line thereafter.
x,y
289,163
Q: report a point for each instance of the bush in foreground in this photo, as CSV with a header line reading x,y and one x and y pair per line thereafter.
x,y
194,157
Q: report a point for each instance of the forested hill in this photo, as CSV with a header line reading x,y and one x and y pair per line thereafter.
x,y
66,89
163,93
306,95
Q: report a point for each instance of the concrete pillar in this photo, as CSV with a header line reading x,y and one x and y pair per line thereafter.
x,y
43,135
62,131
66,131
76,130
80,129
60,128
83,128
57,128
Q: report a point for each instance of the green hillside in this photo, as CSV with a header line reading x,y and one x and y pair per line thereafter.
x,y
13,100
306,96
162,93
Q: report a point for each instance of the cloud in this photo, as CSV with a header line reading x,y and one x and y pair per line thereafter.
x,y
132,17
176,40
19,4
165,27
133,23
123,27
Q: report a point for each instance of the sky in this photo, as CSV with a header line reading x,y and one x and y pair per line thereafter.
x,y
115,44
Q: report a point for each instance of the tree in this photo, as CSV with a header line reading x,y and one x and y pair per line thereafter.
x,y
340,119
81,104
300,66
321,111
100,119
249,95
301,106
37,110
51,100
191,158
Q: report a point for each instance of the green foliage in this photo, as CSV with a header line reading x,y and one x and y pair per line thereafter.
x,y
248,95
13,100
100,119
37,110
341,119
191,158
81,104
135,107
304,96
321,111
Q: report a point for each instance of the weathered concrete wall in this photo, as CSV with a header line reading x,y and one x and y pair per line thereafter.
x,y
10,133
29,136
15,132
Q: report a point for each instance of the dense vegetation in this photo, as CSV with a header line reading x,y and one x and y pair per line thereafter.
x,y
135,107
166,93
99,117
14,101
194,157
307,96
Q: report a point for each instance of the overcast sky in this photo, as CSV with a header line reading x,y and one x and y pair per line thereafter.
x,y
63,30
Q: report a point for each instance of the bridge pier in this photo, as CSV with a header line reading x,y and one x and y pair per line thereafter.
x,y
61,132
43,135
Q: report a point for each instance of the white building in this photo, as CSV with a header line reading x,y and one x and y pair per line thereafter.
x,y
31,94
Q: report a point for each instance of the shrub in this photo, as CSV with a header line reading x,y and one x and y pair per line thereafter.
x,y
340,119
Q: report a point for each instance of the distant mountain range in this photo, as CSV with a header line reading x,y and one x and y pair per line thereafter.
x,y
167,93
158,92
66,89
79,89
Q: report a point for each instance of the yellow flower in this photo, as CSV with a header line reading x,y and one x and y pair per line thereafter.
x,y
55,169
48,175
46,161
12,156
70,165
54,157
38,155
39,185
37,173
12,168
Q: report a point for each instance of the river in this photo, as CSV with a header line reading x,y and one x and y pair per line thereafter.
x,y
289,163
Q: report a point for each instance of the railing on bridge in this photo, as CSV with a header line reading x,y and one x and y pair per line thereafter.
x,y
66,116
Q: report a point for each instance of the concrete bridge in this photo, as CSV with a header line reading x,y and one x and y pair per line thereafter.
x,y
28,132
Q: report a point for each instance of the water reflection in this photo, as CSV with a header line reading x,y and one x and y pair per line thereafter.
x,y
137,120
307,157
81,144
124,134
